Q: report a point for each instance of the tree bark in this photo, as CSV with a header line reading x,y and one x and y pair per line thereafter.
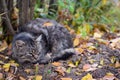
x,y
24,12
6,18
32,5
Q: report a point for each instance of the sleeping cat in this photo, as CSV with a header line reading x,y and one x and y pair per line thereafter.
x,y
42,41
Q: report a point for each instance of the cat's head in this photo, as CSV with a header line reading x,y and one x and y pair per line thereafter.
x,y
26,48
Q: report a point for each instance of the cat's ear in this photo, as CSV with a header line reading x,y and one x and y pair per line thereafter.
x,y
19,43
39,38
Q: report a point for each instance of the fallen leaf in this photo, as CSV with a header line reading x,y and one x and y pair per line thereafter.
x,y
76,42
56,64
22,78
3,46
117,64
79,50
77,62
6,66
97,35
66,78
115,43
38,77
71,64
61,70
47,24
86,67
1,76
109,76
102,61
113,59
87,77
102,41
68,70
27,71
92,48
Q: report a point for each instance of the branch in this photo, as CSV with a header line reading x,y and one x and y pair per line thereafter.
x,y
7,20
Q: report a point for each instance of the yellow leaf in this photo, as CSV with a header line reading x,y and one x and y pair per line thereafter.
x,y
66,78
112,59
68,27
38,77
79,50
77,15
104,2
12,63
68,70
87,27
27,71
15,13
87,77
3,46
76,42
92,48
110,74
56,64
97,35
71,65
6,66
77,62
73,23
102,61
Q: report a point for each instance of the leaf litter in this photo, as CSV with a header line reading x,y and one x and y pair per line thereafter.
x,y
97,58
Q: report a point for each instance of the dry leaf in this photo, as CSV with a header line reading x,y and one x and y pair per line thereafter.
x,y
6,66
92,48
56,64
68,27
102,61
87,77
22,78
97,35
117,64
3,46
79,50
86,67
115,43
66,78
61,70
27,71
1,76
76,42
103,41
47,24
109,76
112,59
38,77
71,65
15,13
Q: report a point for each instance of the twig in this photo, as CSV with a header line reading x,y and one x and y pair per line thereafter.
x,y
7,20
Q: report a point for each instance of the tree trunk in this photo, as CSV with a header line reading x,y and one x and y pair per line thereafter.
x,y
32,5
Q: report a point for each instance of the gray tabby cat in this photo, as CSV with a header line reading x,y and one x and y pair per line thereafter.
x,y
42,41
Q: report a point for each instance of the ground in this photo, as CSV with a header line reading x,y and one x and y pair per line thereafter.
x,y
96,58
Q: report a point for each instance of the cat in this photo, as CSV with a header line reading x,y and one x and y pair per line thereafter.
x,y
42,41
